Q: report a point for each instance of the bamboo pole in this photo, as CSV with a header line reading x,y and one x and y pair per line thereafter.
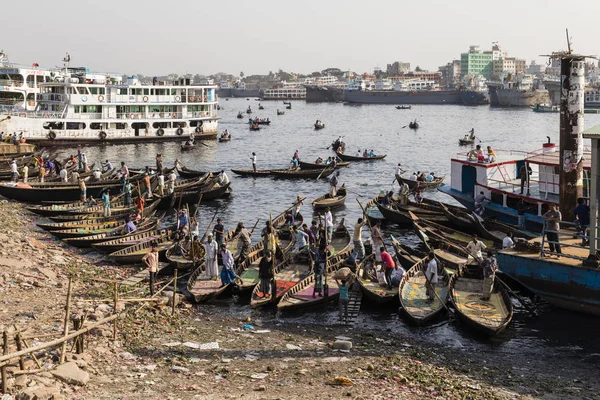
x,y
27,346
3,369
174,292
116,300
66,326
63,339
19,348
28,371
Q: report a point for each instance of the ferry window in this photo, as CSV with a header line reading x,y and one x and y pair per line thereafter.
x,y
82,90
173,92
121,125
160,92
153,109
146,92
122,91
93,90
77,109
152,92
75,125
95,125
101,90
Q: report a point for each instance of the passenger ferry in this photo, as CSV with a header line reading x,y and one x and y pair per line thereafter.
x,y
500,183
76,107
285,91
19,85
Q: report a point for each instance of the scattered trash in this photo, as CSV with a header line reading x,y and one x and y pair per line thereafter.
x,y
248,327
191,345
343,338
209,346
172,344
261,331
340,381
262,375
292,347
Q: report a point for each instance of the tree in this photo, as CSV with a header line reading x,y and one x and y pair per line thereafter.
x,y
241,74
418,69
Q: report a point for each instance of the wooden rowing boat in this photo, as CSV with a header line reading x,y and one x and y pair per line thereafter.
x,y
326,200
372,212
497,231
302,174
185,172
406,256
423,225
369,285
413,296
399,214
347,157
212,192
487,316
300,295
98,216
184,261
250,172
88,241
319,126
424,185
87,230
110,246
307,165
462,220
134,254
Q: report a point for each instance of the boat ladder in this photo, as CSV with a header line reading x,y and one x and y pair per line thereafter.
x,y
140,276
504,173
354,301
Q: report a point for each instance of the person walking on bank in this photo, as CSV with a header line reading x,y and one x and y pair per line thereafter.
x,y
106,202
344,299
359,246
553,218
14,171
151,261
211,249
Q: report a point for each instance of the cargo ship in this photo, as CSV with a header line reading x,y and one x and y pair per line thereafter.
x,y
473,91
517,91
364,92
324,93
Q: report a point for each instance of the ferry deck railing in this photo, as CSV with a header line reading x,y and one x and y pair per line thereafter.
x,y
569,233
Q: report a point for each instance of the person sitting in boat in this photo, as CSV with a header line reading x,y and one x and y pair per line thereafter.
x,y
387,199
371,153
319,160
296,155
90,202
357,154
294,164
340,150
420,176
179,249
418,193
365,153
289,218
413,177
491,155
430,177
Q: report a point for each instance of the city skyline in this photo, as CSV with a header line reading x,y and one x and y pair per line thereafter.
x,y
150,39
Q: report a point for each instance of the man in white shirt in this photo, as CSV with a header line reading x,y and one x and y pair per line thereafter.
x,y
507,242
328,224
75,176
253,158
399,170
413,177
223,178
97,174
124,170
161,184
475,248
25,173
14,171
359,246
357,154
63,174
172,179
431,275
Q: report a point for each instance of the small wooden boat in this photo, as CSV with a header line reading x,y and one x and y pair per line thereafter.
x,y
88,241
406,256
403,107
112,245
288,107
487,316
225,139
87,230
369,284
255,127
289,103
134,254
372,212
335,145
462,220
544,108
187,146
260,107
413,124
250,172
116,213
319,126
248,111
184,261
428,227
331,202
56,191
300,295
240,115
307,165
466,142
302,174
280,112
424,185
258,121
412,292
495,230
211,192
346,157
399,214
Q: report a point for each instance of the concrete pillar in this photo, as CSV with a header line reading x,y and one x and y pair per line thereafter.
x,y
571,128
593,190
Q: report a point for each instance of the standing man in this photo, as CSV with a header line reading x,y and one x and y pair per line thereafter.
x,y
148,186
359,246
582,218
82,188
524,173
319,267
404,191
124,170
25,173
253,158
106,202
79,159
553,218
302,238
14,171
75,176
182,223
211,249
227,273
151,261
159,164
431,277
389,266
333,182
377,238
161,184
489,273
244,242
127,189
265,273
63,174
315,230
219,232
328,225
311,238
172,179
475,248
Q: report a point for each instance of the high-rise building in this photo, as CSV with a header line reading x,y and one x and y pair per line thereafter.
x,y
535,68
450,73
398,68
476,62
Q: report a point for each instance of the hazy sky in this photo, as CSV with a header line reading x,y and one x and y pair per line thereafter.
x,y
159,37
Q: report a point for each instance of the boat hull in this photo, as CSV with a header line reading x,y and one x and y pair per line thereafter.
x,y
474,98
324,94
521,98
399,97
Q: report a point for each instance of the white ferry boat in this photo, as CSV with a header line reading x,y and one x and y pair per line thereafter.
x,y
76,107
285,91
19,85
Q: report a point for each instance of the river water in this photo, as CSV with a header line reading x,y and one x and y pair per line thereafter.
x,y
383,129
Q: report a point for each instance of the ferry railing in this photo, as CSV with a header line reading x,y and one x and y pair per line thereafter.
x,y
571,233
10,82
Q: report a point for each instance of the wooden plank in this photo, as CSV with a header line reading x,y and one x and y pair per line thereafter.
x,y
354,302
141,276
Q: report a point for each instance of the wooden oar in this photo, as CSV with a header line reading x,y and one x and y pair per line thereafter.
x,y
273,281
208,227
324,169
532,312
350,191
252,231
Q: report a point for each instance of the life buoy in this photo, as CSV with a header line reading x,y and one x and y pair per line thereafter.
x,y
160,132
145,98
46,115
102,135
22,115
179,131
100,98
52,135
177,98
83,98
